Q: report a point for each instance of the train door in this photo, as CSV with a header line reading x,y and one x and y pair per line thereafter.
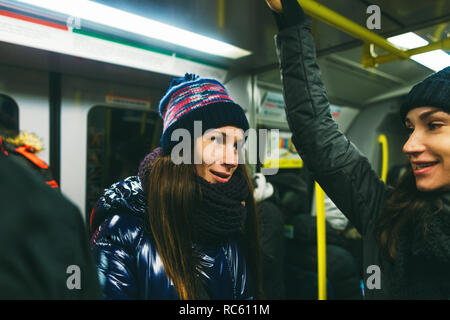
x,y
24,104
117,141
107,128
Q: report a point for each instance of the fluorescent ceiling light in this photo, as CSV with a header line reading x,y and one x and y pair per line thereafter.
x,y
435,60
108,16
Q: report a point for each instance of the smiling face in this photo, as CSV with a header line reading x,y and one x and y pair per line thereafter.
x,y
428,147
218,150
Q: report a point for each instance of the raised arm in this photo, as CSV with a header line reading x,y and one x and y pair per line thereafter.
x,y
339,167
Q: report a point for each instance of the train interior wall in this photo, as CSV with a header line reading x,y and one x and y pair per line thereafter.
x,y
29,90
379,118
80,95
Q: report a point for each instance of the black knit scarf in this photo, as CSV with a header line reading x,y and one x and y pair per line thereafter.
x,y
221,214
422,265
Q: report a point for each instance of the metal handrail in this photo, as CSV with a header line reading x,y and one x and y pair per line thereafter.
x,y
321,244
384,147
334,19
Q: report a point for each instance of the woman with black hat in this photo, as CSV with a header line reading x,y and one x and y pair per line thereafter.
x,y
183,230
406,231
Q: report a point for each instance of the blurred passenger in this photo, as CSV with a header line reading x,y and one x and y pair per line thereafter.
x,y
294,194
350,238
342,267
395,175
272,238
43,243
406,231
333,215
25,147
188,230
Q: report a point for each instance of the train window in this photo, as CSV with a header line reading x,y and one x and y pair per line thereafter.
x,y
9,116
118,139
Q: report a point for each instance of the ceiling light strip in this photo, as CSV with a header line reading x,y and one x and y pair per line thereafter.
x,y
133,23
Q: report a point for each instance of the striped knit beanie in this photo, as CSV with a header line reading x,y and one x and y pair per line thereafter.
x,y
192,99
434,91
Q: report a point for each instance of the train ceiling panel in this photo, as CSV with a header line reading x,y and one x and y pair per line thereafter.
x,y
249,25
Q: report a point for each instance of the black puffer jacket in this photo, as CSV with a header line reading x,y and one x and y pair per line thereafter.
x,y
343,172
129,266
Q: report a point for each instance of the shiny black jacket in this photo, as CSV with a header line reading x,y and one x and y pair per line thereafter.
x,y
341,170
129,266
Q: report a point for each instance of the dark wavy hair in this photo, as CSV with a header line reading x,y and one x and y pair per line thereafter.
x,y
404,204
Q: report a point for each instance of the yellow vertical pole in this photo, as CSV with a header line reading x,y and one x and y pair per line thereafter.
x,y
384,167
321,244
221,14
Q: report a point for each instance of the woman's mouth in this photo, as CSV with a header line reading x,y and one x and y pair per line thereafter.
x,y
220,176
420,168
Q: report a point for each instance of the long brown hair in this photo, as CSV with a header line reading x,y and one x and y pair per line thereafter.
x,y
173,193
405,203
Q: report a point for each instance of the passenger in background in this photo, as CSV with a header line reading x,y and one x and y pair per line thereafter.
x,y
343,272
406,231
395,175
43,243
272,238
25,147
187,230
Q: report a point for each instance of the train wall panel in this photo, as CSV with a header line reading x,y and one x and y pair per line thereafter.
x,y
79,95
29,89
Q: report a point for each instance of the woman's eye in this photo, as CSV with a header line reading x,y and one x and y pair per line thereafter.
x,y
217,139
434,125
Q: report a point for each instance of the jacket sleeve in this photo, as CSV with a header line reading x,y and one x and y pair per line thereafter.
x,y
113,246
338,166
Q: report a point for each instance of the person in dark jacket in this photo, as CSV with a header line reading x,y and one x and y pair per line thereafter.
x,y
185,227
272,238
43,242
24,147
406,231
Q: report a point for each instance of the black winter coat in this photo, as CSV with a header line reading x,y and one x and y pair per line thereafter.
x,y
129,266
343,172
43,243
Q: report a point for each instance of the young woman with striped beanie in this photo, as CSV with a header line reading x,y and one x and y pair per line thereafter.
x,y
183,229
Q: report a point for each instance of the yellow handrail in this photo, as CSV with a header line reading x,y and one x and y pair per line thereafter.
x,y
370,61
322,13
384,167
321,244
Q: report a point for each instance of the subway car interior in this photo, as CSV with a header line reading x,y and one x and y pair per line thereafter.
x,y
89,90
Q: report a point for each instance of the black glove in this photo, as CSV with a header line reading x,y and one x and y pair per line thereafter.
x,y
292,15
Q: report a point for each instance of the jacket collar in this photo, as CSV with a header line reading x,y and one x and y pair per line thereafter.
x,y
126,196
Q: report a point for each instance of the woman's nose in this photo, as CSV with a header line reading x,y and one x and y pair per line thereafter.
x,y
414,144
231,157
